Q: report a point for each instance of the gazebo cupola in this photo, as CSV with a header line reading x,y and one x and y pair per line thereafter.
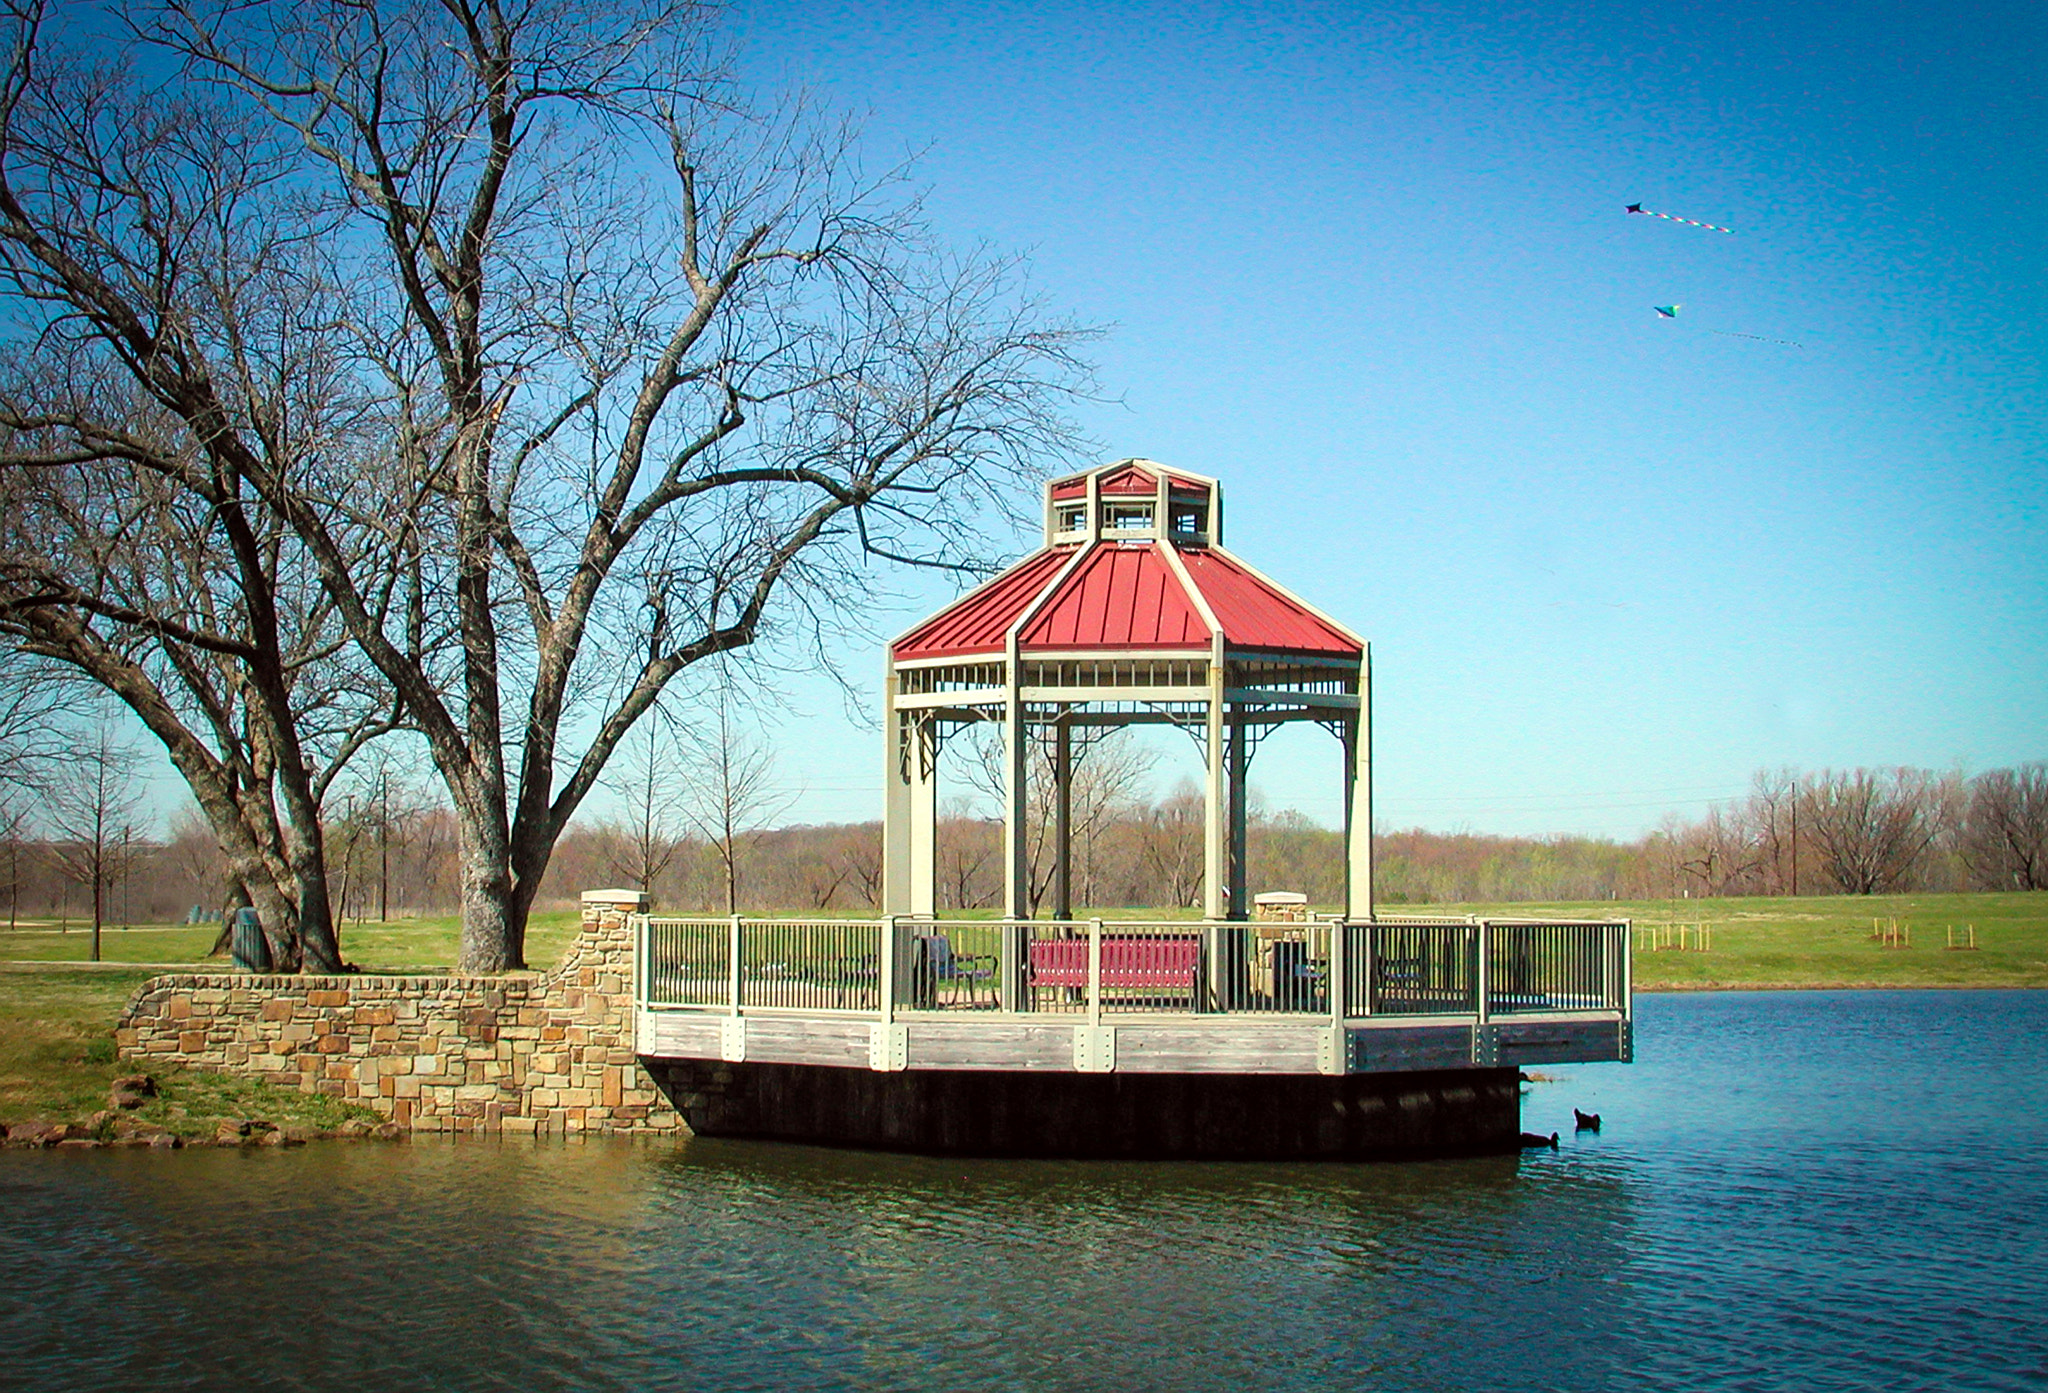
x,y
1132,613
1134,500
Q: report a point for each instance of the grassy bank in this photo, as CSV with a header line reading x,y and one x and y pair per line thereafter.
x,y
57,1063
1821,941
57,1013
56,1057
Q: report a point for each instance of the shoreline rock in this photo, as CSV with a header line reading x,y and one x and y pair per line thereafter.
x,y
108,1130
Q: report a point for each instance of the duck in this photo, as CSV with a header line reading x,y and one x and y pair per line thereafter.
x,y
1586,1121
1531,1140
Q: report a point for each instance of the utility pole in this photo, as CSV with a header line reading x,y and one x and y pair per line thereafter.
x,y
1795,837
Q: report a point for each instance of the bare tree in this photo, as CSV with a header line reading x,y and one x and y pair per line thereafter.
x,y
859,853
967,848
193,854
14,826
35,707
140,565
731,792
1870,827
92,805
1772,817
1171,844
649,782
1106,771
2005,831
1718,854
32,743
541,403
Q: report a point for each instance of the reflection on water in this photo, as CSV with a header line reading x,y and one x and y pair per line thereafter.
x,y
1792,1191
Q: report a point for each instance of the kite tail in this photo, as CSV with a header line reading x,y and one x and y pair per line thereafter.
x,y
1672,217
1731,334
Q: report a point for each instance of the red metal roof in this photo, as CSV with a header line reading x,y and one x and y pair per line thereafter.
x,y
1255,613
1125,597
978,621
1120,597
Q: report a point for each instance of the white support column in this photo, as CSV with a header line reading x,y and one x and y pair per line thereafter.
x,y
1216,848
1240,760
1016,846
897,802
1358,800
1063,821
922,747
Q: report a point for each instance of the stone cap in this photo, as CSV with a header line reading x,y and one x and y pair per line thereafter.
x,y
632,899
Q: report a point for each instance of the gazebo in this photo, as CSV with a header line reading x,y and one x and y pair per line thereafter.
x,y
1131,613
1353,1035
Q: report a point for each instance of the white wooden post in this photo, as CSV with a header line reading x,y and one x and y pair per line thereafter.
x,y
885,975
1216,843
1016,847
1628,969
1063,821
1094,972
1239,847
896,801
922,748
1358,800
733,966
1337,973
643,960
1482,972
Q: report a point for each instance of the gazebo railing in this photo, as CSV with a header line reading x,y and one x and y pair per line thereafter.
x,y
1391,966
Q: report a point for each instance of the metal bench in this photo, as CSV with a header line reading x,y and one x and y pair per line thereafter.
x,y
1160,966
964,975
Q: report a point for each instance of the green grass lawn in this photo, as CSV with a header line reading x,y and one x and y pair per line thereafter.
x,y
57,1061
57,1013
1821,941
56,1049
403,945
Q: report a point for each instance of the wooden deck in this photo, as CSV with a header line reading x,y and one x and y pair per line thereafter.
x,y
960,996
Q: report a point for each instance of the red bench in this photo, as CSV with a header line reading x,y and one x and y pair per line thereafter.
x,y
1128,964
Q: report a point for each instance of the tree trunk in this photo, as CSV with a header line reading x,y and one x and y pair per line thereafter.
x,y
493,928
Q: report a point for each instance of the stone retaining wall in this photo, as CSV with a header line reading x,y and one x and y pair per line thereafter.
x,y
545,1053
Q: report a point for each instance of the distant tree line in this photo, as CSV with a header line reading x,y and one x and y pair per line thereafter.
x,y
1855,832
1865,832
393,852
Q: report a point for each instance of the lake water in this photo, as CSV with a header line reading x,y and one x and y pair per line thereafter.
x,y
1791,1191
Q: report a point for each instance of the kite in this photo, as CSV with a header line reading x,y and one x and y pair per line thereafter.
x,y
1671,312
1673,217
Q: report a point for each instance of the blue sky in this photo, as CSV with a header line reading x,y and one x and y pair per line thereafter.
x,y
1369,266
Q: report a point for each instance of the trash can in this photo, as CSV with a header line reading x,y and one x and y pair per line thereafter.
x,y
250,950
924,974
1293,985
